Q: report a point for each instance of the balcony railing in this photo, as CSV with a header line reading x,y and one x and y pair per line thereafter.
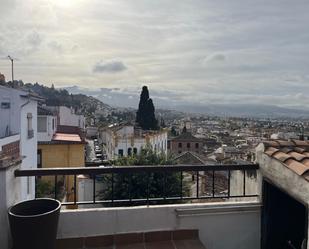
x,y
209,174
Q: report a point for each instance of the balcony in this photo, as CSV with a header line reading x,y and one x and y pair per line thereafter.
x,y
208,212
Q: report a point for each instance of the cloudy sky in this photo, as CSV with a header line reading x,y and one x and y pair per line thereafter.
x,y
191,51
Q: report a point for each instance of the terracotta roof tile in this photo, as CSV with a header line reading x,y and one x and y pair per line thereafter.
x,y
271,150
298,156
286,149
305,153
298,149
294,154
281,156
272,143
300,143
306,162
285,143
297,167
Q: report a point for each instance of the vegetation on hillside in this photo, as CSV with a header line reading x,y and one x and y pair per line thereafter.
x,y
81,103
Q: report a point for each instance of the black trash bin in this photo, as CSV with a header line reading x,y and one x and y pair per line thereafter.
x,y
34,223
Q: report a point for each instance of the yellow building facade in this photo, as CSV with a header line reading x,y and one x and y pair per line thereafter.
x,y
64,155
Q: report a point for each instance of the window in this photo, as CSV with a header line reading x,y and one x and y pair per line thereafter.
x,y
168,144
39,158
29,125
188,145
196,145
120,152
53,124
135,151
5,105
179,145
129,151
42,124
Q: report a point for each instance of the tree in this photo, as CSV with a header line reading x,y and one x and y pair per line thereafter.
x,y
162,124
173,131
139,185
145,115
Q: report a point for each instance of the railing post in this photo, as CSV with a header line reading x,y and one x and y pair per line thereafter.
x,y
213,183
75,197
197,184
55,196
229,184
94,190
130,185
181,191
148,180
112,189
244,192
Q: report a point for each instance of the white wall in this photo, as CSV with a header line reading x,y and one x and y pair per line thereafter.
x,y
157,143
67,117
28,148
91,131
9,195
124,138
50,131
16,118
220,225
10,117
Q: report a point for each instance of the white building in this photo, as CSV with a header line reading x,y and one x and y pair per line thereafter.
x,y
47,124
284,135
124,140
66,116
91,131
18,116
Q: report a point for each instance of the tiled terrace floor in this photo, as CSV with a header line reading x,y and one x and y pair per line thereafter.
x,y
179,239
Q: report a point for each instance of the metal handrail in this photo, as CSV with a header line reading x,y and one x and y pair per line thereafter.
x,y
95,172
131,169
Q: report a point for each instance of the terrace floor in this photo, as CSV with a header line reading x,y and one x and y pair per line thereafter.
x,y
178,239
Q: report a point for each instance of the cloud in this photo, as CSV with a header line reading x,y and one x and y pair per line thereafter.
x,y
55,46
215,58
212,50
109,67
34,39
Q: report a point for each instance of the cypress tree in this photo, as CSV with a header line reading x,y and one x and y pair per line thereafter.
x,y
145,115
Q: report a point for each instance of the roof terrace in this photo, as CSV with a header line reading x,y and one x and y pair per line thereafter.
x,y
227,206
181,219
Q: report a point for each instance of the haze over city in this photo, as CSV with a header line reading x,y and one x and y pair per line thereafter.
x,y
220,52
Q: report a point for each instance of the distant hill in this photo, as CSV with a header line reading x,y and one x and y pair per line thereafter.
x,y
81,103
114,97
250,110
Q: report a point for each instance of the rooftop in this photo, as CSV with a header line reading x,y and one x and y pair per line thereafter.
x,y
44,112
186,136
178,239
67,137
294,154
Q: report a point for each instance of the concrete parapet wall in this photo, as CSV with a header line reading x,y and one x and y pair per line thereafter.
x,y
220,225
